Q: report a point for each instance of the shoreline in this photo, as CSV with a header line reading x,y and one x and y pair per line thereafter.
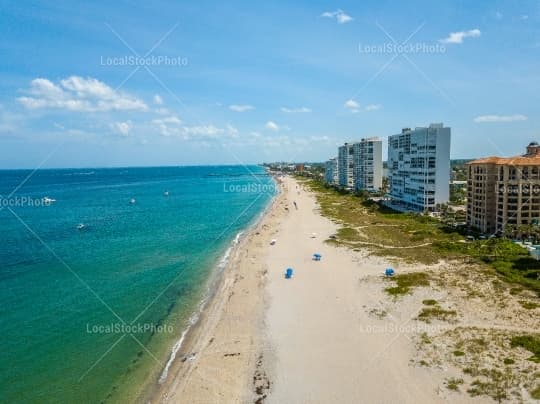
x,y
193,320
333,333
222,285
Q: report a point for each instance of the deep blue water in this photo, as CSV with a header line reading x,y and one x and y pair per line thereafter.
x,y
63,290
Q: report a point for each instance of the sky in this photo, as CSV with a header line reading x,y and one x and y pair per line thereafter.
x,y
118,83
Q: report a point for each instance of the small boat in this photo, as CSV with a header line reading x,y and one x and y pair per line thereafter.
x,y
81,226
132,201
166,193
48,200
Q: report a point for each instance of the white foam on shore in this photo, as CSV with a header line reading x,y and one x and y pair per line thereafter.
x,y
195,317
220,267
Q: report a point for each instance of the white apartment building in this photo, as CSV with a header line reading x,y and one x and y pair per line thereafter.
x,y
419,167
331,171
367,164
346,166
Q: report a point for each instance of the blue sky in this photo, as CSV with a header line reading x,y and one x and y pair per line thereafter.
x,y
245,82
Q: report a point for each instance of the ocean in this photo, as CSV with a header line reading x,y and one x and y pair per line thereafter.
x,y
99,282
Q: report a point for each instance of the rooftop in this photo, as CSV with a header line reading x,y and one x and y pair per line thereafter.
x,y
531,157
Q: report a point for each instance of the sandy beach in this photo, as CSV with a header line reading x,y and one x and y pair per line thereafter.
x,y
330,334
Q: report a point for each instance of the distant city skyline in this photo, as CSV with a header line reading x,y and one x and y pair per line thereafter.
x,y
110,84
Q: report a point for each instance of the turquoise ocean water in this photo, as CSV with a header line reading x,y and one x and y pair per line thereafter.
x,y
91,314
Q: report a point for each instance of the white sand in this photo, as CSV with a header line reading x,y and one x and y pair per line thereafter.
x,y
314,337
327,347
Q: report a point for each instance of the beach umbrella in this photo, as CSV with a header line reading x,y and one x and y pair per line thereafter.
x,y
317,256
288,273
389,272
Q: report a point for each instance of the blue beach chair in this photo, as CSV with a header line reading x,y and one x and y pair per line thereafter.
x,y
288,273
389,272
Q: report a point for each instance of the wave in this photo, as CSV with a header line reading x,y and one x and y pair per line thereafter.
x,y
79,173
192,321
210,290
195,316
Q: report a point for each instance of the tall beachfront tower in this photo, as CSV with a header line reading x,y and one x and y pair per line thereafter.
x,y
419,167
504,191
331,172
367,164
346,166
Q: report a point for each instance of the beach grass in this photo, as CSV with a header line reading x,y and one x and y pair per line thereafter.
x,y
529,305
415,238
405,283
436,312
536,393
530,342
454,383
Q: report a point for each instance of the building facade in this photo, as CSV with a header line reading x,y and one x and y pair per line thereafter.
x,y
346,166
419,167
331,172
504,191
367,164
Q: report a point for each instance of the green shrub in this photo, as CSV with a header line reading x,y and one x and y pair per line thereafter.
x,y
530,343
405,282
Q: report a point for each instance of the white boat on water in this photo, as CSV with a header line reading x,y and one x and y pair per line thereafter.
x,y
132,201
81,226
48,201
166,193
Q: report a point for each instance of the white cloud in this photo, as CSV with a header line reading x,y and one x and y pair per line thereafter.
x,y
373,107
168,126
158,100
319,138
172,126
272,126
78,94
203,130
458,37
169,119
339,15
122,128
500,118
240,108
295,110
352,105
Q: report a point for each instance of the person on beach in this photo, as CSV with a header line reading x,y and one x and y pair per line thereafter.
x,y
295,206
